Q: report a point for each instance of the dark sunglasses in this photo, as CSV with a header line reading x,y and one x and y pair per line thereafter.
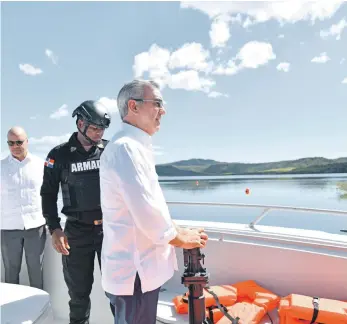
x,y
18,143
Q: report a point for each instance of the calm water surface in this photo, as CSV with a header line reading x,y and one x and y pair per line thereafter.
x,y
310,191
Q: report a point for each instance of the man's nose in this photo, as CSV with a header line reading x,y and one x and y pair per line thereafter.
x,y
162,111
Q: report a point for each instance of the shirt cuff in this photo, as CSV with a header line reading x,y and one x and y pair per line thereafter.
x,y
168,236
53,227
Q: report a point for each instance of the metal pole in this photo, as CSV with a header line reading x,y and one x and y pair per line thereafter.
x,y
195,278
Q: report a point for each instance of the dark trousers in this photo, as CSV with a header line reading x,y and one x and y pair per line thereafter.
x,y
32,241
139,308
78,267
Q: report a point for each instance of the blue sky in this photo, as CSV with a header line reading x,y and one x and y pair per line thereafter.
x,y
243,81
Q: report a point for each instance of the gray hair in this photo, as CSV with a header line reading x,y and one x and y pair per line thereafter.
x,y
134,89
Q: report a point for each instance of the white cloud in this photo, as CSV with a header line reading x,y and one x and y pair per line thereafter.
x,y
155,61
46,143
216,94
252,55
342,60
54,58
230,69
344,80
29,69
190,56
61,112
192,59
110,104
322,58
334,30
190,80
283,66
236,19
220,32
158,62
261,11
248,22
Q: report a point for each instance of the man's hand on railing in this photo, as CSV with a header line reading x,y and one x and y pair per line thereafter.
x,y
190,238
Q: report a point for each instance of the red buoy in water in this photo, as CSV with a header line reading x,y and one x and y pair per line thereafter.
x,y
247,191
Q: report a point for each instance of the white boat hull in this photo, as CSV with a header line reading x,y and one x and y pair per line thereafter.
x,y
281,260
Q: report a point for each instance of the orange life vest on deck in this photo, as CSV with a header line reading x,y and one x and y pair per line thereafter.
x,y
253,302
246,301
299,309
249,291
246,312
227,296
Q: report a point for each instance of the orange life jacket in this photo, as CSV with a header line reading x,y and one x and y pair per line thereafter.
x,y
246,313
227,296
253,302
299,309
250,291
246,301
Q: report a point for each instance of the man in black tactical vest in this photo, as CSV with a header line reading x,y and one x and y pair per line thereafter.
x,y
75,166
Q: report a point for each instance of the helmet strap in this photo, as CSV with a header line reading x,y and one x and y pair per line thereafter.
x,y
84,133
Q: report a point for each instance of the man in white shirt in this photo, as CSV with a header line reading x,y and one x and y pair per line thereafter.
x,y
22,223
138,253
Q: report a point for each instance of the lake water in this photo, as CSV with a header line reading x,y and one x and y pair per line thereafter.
x,y
309,191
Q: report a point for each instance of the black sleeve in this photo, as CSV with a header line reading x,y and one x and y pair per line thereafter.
x,y
50,189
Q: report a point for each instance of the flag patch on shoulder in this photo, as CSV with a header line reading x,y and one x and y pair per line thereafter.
x,y
49,163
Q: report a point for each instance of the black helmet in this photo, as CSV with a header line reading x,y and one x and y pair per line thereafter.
x,y
92,113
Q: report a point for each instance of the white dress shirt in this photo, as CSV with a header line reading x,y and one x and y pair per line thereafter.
x,y
20,193
136,220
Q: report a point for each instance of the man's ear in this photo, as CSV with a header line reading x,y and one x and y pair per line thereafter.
x,y
80,124
132,106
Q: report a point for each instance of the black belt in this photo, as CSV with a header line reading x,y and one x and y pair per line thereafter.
x,y
89,222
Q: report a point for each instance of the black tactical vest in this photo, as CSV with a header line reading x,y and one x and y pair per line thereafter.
x,y
79,179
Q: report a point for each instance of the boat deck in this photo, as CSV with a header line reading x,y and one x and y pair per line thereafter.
x,y
282,260
166,312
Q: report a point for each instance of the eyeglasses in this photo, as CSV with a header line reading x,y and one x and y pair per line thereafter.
x,y
18,143
159,103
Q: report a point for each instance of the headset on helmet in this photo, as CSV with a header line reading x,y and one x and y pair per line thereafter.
x,y
92,113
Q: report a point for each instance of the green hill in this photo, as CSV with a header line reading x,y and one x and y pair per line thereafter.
x,y
171,170
201,167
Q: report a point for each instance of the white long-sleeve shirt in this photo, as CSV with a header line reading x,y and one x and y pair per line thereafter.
x,y
20,192
136,221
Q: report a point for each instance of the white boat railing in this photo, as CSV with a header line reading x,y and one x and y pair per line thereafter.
x,y
267,209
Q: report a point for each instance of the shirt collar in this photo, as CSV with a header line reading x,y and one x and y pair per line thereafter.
x,y
137,133
26,159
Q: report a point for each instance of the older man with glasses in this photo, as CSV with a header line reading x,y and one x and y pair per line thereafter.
x,y
138,253
22,222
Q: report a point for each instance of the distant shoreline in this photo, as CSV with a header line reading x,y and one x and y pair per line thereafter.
x,y
254,177
201,167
